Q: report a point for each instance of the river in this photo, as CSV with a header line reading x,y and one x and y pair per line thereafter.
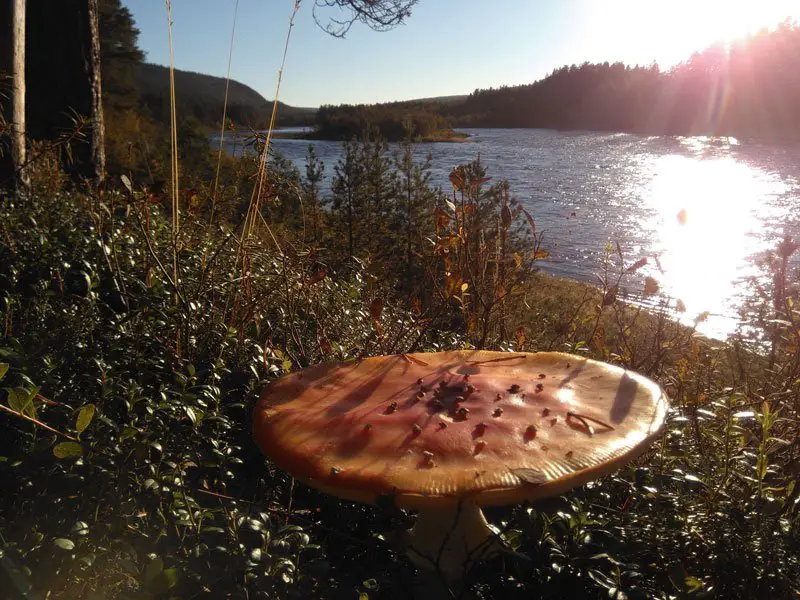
x,y
702,210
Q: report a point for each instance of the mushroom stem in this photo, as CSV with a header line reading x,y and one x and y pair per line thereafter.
x,y
451,540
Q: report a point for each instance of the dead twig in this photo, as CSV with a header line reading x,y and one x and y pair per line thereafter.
x,y
37,422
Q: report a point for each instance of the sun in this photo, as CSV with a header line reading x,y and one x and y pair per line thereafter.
x,y
668,32
726,21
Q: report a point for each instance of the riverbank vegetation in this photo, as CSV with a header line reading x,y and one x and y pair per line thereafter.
x,y
127,463
139,329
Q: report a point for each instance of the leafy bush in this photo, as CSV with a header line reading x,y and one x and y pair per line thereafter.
x,y
127,465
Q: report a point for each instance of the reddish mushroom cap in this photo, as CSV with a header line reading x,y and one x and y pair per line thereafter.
x,y
492,427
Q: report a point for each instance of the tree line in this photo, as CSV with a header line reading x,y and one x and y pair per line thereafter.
x,y
748,89
392,120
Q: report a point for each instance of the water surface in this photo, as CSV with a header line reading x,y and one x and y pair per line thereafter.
x,y
702,210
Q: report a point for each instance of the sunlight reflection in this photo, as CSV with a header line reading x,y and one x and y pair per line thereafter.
x,y
566,395
706,230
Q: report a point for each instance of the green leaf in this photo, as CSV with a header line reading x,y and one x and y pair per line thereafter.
x,y
164,581
85,417
67,450
88,559
21,400
692,584
153,569
762,462
80,528
3,369
677,575
127,433
190,413
128,566
64,543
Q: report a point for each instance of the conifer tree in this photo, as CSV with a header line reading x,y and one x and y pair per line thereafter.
x,y
348,194
380,188
315,173
416,200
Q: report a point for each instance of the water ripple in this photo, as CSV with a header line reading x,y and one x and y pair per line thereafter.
x,y
706,207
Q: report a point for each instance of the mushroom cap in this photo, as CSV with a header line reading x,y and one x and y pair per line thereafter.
x,y
427,429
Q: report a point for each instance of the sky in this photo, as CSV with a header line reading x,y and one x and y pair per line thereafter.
x,y
446,47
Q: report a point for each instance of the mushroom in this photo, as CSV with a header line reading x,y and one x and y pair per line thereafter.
x,y
313,424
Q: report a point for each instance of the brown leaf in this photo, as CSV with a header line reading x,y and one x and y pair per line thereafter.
x,y
610,296
476,182
324,345
531,222
193,200
441,218
505,215
637,265
457,178
680,306
520,337
452,284
598,341
376,308
539,254
650,286
316,277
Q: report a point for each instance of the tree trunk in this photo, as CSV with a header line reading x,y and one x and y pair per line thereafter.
x,y
18,149
350,222
98,123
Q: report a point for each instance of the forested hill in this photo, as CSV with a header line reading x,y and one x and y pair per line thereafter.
x,y
202,97
750,89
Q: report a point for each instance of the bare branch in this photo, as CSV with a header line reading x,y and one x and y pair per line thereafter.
x,y
36,422
379,15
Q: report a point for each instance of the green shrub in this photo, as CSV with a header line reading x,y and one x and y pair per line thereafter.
x,y
127,467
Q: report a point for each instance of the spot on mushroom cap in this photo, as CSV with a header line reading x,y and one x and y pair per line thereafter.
x,y
311,421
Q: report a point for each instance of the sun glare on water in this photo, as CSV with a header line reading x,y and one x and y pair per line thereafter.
x,y
707,231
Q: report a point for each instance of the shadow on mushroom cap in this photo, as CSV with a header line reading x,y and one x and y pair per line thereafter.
x,y
430,429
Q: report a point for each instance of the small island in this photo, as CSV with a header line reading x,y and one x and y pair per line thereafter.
x,y
392,121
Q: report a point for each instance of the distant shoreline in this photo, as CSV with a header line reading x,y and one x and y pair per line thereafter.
x,y
440,136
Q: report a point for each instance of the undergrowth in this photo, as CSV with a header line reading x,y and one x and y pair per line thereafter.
x,y
127,464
